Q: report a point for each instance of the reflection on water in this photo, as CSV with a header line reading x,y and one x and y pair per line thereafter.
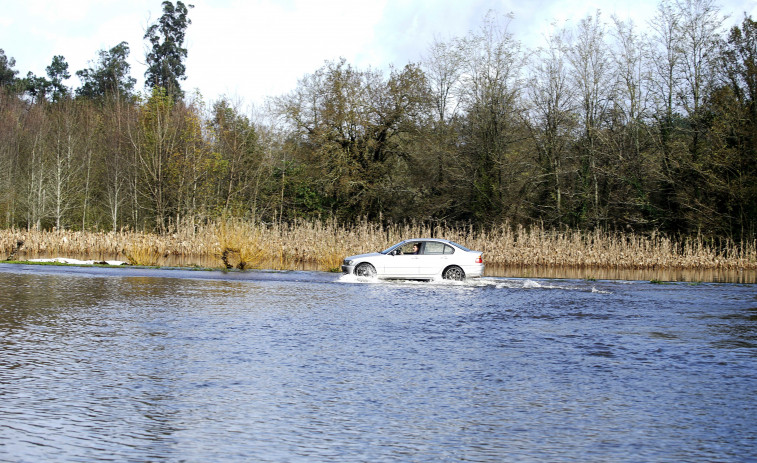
x,y
688,275
179,365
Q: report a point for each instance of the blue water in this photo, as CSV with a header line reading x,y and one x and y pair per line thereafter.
x,y
179,365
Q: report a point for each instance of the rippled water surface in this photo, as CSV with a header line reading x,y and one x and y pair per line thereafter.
x,y
179,365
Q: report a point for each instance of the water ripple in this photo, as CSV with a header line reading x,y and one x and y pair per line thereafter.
x,y
315,367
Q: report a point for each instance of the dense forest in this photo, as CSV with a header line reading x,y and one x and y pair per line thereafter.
x,y
642,128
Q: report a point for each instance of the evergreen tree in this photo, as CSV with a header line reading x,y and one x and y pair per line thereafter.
x,y
40,88
110,76
165,61
58,72
7,73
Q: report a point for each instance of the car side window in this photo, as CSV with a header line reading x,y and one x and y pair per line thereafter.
x,y
405,249
434,248
448,249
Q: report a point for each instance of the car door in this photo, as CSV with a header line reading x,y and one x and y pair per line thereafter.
x,y
435,257
402,263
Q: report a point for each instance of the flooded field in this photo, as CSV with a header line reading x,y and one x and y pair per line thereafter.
x,y
134,364
691,275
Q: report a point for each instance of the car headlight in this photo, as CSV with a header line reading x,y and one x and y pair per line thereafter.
x,y
348,262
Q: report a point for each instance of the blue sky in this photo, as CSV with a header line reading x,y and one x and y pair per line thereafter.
x,y
251,49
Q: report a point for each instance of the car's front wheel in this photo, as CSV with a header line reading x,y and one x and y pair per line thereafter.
x,y
365,270
453,273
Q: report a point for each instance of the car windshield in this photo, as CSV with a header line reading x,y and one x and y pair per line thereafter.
x,y
390,249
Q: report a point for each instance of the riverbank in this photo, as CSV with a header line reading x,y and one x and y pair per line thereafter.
x,y
322,246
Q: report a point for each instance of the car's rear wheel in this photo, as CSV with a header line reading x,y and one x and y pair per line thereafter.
x,y
453,273
365,270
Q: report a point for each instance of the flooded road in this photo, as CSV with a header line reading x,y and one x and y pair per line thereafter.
x,y
129,364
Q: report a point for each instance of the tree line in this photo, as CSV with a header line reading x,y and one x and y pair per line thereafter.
x,y
608,125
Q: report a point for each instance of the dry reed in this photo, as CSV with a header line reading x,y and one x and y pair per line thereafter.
x,y
239,245
242,244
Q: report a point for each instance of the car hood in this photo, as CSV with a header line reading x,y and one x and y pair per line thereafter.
x,y
363,256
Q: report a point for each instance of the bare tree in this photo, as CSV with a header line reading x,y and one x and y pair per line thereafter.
x,y
236,142
632,174
438,171
591,72
631,102
552,104
491,97
64,163
117,169
34,171
699,43
154,141
11,134
443,66
665,58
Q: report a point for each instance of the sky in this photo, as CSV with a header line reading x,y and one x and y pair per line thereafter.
x,y
248,50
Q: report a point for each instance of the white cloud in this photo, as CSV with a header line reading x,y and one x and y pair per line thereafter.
x,y
263,47
37,30
257,48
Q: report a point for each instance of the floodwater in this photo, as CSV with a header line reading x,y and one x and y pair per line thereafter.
x,y
111,364
692,275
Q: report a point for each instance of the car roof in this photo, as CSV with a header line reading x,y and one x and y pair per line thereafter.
x,y
442,240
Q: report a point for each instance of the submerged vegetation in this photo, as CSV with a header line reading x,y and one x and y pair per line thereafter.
x,y
245,245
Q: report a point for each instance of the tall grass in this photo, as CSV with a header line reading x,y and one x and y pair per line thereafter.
x,y
240,244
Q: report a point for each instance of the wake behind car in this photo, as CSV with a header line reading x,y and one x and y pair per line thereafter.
x,y
418,259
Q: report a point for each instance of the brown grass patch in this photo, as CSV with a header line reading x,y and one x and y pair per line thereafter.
x,y
240,244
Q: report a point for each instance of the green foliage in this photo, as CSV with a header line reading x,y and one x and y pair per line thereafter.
x,y
165,60
40,88
610,129
58,72
351,130
7,73
109,77
235,141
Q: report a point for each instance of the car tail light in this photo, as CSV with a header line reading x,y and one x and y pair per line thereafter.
x,y
479,260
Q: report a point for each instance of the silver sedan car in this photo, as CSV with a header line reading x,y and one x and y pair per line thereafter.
x,y
419,259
